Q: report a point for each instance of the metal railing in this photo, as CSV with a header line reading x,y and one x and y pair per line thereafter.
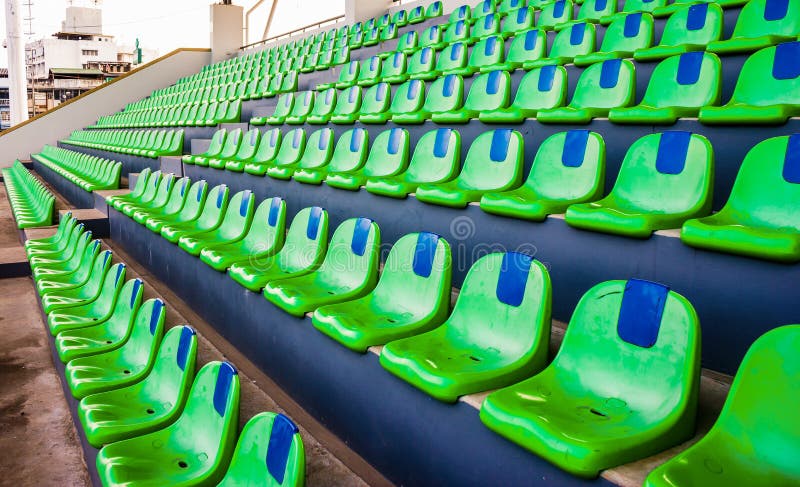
x,y
294,33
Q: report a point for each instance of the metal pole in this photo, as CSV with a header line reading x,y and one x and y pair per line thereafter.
x,y
18,93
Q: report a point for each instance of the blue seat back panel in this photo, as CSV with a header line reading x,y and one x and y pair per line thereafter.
x,y
791,163
279,446
312,229
787,61
689,68
672,149
274,209
360,235
609,73
574,148
223,387
424,253
641,311
513,278
187,333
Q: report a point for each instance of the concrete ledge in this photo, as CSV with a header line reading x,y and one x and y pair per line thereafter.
x,y
94,220
14,262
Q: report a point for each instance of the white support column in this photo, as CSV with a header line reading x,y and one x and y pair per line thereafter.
x,y
227,29
360,10
18,91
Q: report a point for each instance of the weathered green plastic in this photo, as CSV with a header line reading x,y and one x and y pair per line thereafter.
x,y
87,292
408,99
489,91
445,94
297,153
683,32
411,297
228,151
588,411
493,163
282,110
107,335
388,156
526,48
349,271
125,365
646,197
539,89
324,104
138,190
759,219
555,13
159,198
303,252
210,217
148,405
451,59
679,87
761,24
232,228
269,452
349,155
497,334
194,450
304,103
577,39
247,151
421,63
176,200
190,210
70,280
759,96
626,34
435,160
754,441
269,149
569,168
96,311
347,106
263,238
375,106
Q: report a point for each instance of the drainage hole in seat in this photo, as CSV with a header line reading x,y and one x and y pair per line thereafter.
x,y
183,464
150,411
476,359
598,413
126,371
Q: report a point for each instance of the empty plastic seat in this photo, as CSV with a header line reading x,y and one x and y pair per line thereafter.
x,y
623,386
753,442
541,88
679,87
269,452
490,91
88,291
232,227
295,150
411,297
248,148
488,25
569,168
767,91
193,205
122,366
452,59
148,405
175,201
348,75
497,334
228,151
370,71
394,70
463,12
595,10
555,13
407,100
304,103
347,106
526,48
432,37
388,156
483,9
445,94
517,21
421,63
434,9
761,23
349,271
375,106
416,15
194,450
263,238
324,104
626,34
632,6
760,218
302,253
601,87
282,110
209,218
487,52
510,6
493,163
576,40
665,179
435,160
349,155
690,28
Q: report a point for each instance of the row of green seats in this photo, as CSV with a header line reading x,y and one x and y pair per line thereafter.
x,y
140,401
230,91
194,114
31,202
144,143
89,172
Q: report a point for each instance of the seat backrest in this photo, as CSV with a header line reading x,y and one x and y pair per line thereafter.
x,y
692,79
609,84
642,5
555,13
768,184
348,102
146,333
349,73
214,208
353,254
127,305
699,24
487,25
510,6
238,216
376,99
231,144
431,36
575,40
141,181
489,50
483,8
494,161
284,106
489,91
569,166
624,334
504,306
249,144
292,147
528,45
463,12
434,9
446,93
395,65
421,61
324,102
408,41
268,226
173,370
518,20
628,32
152,186
195,201
409,97
768,18
451,57
351,151
436,157
542,88
666,173
306,240
318,150
594,10
163,191
370,69
389,153
770,76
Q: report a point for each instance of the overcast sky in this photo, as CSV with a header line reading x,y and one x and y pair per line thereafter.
x,y
168,24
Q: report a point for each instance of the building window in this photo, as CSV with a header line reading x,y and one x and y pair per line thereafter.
x,y
89,52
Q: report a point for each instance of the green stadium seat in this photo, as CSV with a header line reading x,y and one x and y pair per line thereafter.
x,y
248,147
394,69
452,59
482,10
194,450
73,277
349,155
400,18
435,160
569,168
555,13
497,334
406,44
490,91
594,11
541,88
30,199
508,7
493,163
56,240
759,219
324,103
375,105
209,217
302,253
411,297
575,40
282,110
174,203
217,142
679,87
416,15
348,76
269,452
349,271
62,261
432,37
767,91
232,228
370,71
526,48
761,24
445,94
31,202
96,311
163,190
634,6
517,21
625,35
588,410
193,205
148,405
408,100
420,64
88,291
665,179
299,154
387,157
153,180
263,238
488,25
463,12
601,87
691,28
753,440
434,10
347,106
228,151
